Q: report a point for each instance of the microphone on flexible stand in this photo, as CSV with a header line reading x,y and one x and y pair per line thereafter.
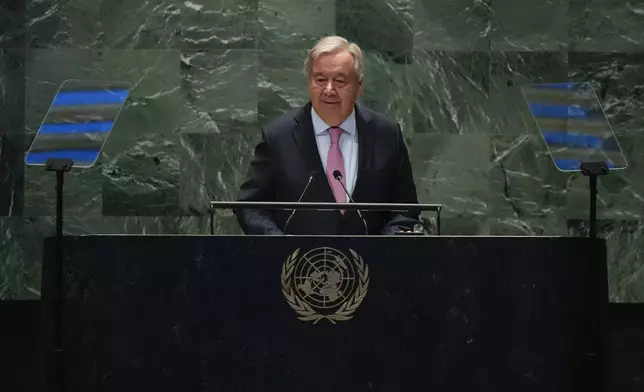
x,y
338,176
311,177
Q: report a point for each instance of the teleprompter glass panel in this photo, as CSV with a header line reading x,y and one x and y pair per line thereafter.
x,y
573,125
78,122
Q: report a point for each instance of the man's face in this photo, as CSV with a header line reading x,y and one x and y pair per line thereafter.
x,y
334,87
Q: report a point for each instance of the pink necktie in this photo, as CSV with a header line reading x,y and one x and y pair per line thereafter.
x,y
335,161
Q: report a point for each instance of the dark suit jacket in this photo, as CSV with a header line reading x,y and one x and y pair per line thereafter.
x,y
287,155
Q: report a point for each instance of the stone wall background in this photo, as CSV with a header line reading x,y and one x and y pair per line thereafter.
x,y
208,74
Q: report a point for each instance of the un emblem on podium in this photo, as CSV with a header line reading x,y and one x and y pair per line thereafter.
x,y
324,284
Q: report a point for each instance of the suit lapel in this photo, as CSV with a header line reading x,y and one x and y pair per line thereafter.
x,y
365,148
304,137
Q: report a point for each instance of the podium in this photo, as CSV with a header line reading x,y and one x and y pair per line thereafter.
x,y
319,314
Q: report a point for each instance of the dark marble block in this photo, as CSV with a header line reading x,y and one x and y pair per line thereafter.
x,y
618,80
12,174
141,25
625,256
222,24
12,23
509,71
142,157
525,183
12,124
606,26
281,83
218,89
21,255
12,91
383,26
457,25
60,24
529,25
449,92
385,89
173,24
453,170
295,24
455,314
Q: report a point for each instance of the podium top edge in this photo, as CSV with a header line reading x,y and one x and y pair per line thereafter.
x,y
325,206
323,236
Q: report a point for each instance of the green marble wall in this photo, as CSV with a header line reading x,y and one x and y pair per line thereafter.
x,y
208,74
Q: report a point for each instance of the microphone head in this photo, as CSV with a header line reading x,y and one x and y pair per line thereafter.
x,y
337,175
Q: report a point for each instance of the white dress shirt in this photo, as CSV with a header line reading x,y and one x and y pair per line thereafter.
x,y
348,146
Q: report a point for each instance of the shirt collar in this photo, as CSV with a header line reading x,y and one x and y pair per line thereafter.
x,y
348,125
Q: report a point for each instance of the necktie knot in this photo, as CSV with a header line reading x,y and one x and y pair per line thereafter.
x,y
335,133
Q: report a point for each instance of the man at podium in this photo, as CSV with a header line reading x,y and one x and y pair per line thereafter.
x,y
330,150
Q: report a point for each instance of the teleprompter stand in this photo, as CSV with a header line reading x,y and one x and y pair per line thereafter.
x,y
592,170
57,375
72,134
576,132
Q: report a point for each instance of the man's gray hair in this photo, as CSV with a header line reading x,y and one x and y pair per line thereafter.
x,y
334,44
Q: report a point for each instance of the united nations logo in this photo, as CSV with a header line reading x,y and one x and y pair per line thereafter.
x,y
324,284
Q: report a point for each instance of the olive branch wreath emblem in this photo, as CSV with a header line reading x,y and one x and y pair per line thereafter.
x,y
305,311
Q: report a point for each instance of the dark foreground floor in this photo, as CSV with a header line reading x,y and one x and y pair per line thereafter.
x,y
20,362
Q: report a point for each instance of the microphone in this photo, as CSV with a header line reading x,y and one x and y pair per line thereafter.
x,y
338,176
311,177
